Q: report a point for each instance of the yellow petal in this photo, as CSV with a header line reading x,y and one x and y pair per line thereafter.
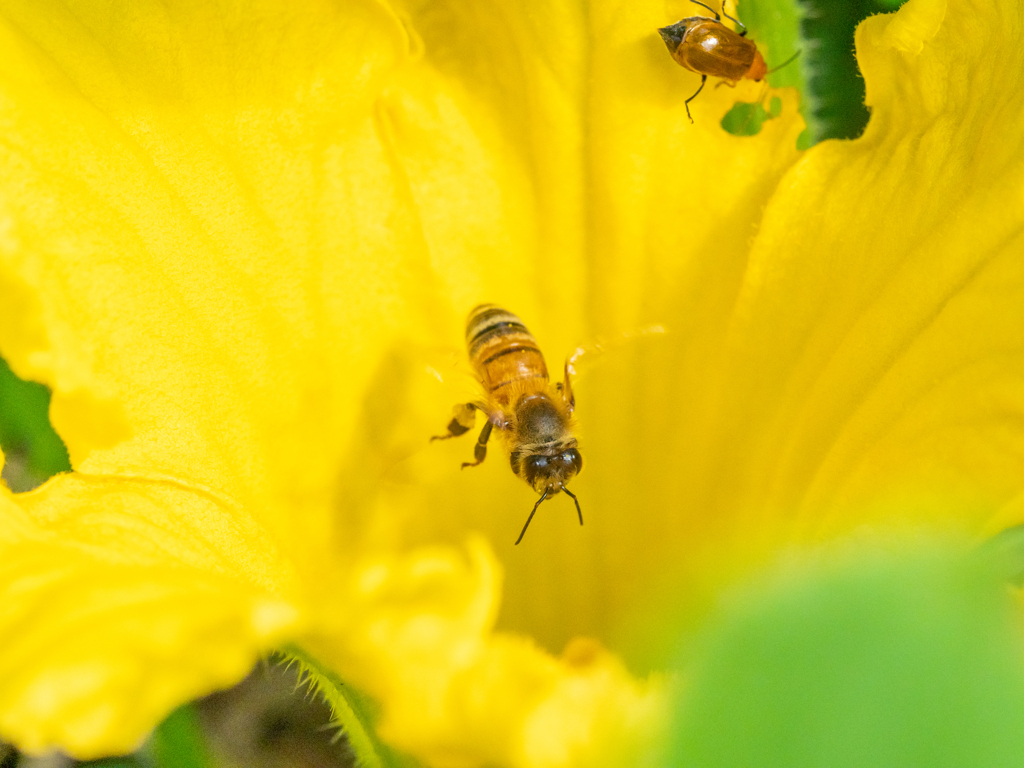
x,y
863,367
556,173
238,243
180,238
123,599
220,262
419,634
893,376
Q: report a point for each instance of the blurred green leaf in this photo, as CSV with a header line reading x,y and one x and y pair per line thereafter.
x,y
179,741
32,448
129,761
1006,551
905,658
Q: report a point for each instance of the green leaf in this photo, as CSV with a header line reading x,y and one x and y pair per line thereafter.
x,y
888,658
179,741
826,71
353,713
26,437
746,119
774,25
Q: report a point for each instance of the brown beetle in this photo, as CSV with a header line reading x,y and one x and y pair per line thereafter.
x,y
708,47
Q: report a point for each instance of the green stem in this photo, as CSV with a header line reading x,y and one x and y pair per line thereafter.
x,y
348,708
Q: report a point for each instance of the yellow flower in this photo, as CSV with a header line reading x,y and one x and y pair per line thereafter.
x,y
240,243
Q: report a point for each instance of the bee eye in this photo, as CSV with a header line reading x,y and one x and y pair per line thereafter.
x,y
572,456
534,467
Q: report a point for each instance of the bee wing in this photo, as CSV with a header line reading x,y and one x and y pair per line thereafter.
x,y
602,345
441,372
591,352
444,363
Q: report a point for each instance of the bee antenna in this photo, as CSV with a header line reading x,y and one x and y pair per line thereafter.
x,y
542,497
572,496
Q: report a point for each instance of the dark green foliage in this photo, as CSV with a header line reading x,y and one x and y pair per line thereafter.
x,y
825,72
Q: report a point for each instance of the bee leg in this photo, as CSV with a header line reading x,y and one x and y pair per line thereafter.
x,y
566,387
463,418
480,449
703,79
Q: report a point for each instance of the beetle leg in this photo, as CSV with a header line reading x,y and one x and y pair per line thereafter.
x,y
703,79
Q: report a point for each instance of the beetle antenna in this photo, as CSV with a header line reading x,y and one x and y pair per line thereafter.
x,y
790,60
698,2
542,497
735,21
572,496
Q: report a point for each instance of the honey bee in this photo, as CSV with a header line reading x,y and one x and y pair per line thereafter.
x,y
708,47
534,417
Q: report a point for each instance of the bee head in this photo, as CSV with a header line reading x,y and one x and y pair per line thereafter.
x,y
548,473
673,35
